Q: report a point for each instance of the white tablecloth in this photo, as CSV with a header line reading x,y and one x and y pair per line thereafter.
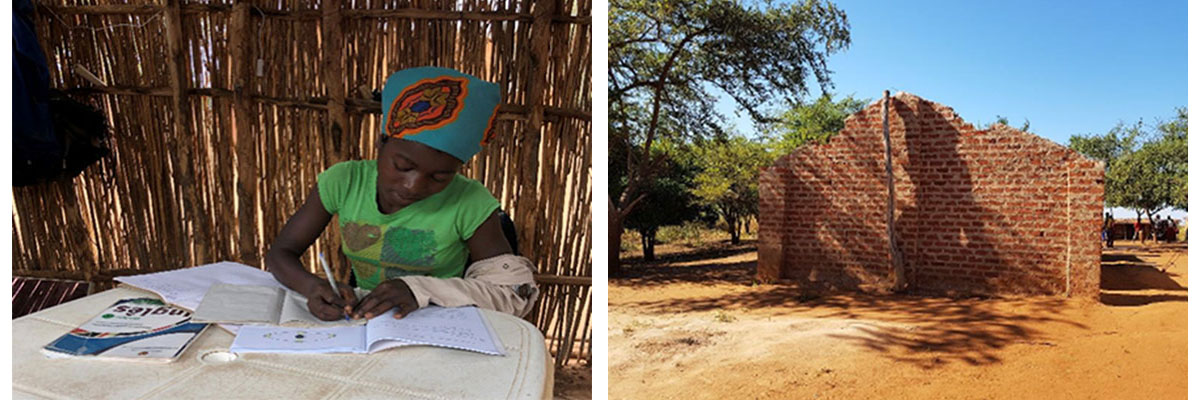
x,y
406,372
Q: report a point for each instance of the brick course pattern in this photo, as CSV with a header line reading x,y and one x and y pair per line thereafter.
x,y
996,211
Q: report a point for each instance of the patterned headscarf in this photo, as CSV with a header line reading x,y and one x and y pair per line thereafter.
x,y
441,108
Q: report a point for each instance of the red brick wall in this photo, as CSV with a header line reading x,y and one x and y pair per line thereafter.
x,y
994,211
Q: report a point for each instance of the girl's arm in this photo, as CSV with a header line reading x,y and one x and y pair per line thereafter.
x,y
488,240
283,260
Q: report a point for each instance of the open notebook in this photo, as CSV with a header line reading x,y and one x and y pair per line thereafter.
x,y
461,328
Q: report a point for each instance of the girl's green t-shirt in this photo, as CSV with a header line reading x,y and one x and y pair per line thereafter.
x,y
428,237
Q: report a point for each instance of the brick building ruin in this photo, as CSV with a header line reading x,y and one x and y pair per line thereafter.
x,y
995,211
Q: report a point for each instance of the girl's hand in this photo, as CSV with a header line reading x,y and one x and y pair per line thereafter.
x,y
325,304
388,295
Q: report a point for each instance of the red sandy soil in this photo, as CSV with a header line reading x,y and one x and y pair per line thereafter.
x,y
694,327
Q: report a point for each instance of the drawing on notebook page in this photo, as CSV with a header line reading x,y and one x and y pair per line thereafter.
x,y
457,328
302,337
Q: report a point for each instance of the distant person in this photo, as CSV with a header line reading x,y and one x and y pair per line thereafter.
x,y
1155,224
1171,231
1106,234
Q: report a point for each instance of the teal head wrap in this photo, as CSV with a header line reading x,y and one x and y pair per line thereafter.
x,y
441,108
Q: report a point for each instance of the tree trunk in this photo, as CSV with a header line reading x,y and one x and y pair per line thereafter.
x,y
648,244
1153,225
731,225
615,224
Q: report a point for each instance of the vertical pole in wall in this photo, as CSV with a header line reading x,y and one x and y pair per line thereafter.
x,y
1070,219
181,140
337,141
894,254
249,251
529,213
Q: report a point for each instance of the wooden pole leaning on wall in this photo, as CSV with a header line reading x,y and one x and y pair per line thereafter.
x,y
184,177
249,251
895,256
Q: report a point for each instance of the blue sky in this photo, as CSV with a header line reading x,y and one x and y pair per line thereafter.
x,y
1069,67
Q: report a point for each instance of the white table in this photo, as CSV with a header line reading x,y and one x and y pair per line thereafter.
x,y
203,370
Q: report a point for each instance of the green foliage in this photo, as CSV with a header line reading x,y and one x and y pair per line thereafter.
x,y
814,122
1146,176
728,179
667,58
1118,142
690,233
667,201
1176,128
1174,144
630,241
751,52
1004,120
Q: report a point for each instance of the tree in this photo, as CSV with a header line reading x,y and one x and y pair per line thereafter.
x,y
1119,141
666,56
672,202
1173,138
814,122
1147,180
1145,176
728,180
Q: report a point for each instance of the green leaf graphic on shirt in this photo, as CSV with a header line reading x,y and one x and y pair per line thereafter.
x,y
408,247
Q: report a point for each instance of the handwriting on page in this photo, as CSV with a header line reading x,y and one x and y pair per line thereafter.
x,y
452,327
444,335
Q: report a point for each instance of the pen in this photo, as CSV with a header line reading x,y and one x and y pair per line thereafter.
x,y
332,283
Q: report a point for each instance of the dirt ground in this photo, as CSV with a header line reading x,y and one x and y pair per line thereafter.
x,y
573,382
694,327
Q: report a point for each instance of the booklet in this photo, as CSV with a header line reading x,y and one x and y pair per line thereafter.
x,y
250,304
139,329
461,328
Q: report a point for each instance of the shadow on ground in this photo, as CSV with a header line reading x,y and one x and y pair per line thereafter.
x,y
721,250
928,332
665,271
1126,300
737,272
1129,280
925,331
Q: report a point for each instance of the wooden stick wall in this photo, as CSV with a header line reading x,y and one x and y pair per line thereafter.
x,y
223,113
